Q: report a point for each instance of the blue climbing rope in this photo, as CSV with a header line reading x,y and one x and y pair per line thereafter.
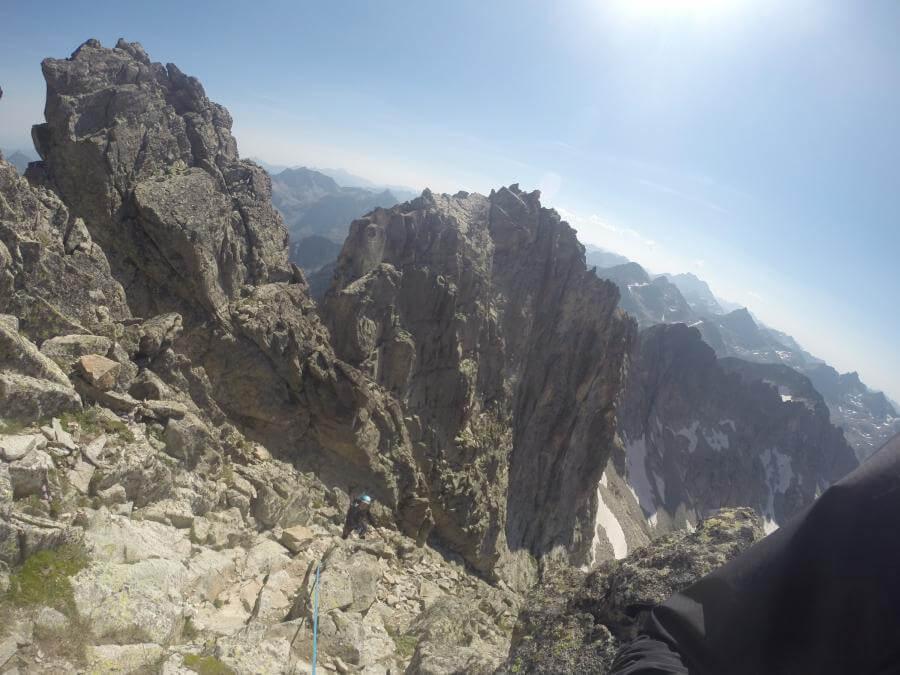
x,y
316,619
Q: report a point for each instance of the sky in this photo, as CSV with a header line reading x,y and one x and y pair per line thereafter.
x,y
751,142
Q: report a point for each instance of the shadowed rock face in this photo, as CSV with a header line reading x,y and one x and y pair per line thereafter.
x,y
478,313
53,277
138,152
703,433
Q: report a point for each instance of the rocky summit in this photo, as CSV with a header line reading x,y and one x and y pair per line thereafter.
x,y
183,425
479,315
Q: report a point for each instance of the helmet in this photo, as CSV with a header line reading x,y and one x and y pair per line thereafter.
x,y
365,499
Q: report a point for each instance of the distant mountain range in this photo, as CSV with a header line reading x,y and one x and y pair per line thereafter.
x,y
19,159
318,212
868,418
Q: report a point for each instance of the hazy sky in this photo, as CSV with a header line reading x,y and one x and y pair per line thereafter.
x,y
752,142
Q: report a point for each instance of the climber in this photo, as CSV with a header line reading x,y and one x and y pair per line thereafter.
x,y
359,517
819,595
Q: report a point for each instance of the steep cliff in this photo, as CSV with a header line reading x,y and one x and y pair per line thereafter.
x,y
702,434
139,152
479,315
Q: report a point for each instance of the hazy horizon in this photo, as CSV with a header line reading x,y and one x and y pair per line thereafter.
x,y
749,143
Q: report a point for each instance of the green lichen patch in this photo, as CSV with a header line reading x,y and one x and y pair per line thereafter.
x,y
94,424
207,665
44,579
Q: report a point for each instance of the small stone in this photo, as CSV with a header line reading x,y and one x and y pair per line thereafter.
x,y
99,371
297,538
80,477
113,495
94,450
61,436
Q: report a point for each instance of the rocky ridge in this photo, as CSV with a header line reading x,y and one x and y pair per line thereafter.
x,y
172,545
866,417
575,621
479,315
137,151
701,433
182,423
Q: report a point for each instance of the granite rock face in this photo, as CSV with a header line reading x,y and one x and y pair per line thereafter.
x,y
479,315
149,165
53,277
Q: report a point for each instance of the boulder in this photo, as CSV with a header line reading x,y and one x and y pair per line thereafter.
x,y
49,622
158,333
164,410
99,371
29,474
188,438
122,659
128,603
297,538
20,355
80,477
18,445
59,436
116,539
65,350
26,399
23,535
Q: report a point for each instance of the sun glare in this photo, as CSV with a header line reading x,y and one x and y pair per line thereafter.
x,y
677,7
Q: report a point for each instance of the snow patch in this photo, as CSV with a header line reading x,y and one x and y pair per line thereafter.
x,y
769,525
637,479
603,480
779,474
717,439
690,433
607,520
722,423
786,397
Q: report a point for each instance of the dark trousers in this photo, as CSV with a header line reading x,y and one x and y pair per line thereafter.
x,y
820,596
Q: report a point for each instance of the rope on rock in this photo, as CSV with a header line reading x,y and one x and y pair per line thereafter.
x,y
315,645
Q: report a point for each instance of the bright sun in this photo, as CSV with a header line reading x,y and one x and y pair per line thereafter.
x,y
697,7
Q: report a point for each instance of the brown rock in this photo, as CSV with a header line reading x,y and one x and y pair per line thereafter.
x,y
297,538
99,371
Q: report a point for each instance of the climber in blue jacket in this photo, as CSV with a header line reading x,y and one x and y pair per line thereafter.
x,y
359,517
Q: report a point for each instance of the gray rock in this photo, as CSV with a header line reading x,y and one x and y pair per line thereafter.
x,y
27,399
40,244
17,446
158,333
124,658
80,477
60,436
29,474
192,229
93,451
297,538
188,438
128,603
65,350
479,314
49,622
